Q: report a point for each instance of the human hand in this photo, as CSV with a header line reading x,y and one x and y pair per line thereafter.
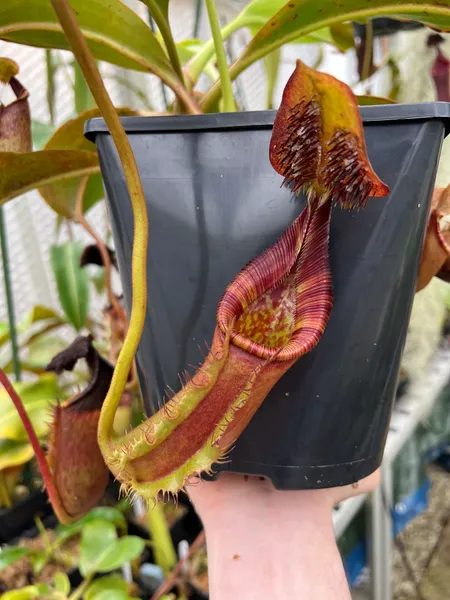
x,y
267,544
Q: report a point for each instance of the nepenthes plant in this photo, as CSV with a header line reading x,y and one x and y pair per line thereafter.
x,y
273,312
276,309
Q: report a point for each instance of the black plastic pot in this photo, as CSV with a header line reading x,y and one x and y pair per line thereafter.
x,y
384,26
215,202
15,520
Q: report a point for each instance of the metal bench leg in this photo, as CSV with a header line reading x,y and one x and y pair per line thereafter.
x,y
379,536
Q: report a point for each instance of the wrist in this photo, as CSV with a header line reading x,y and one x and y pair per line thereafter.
x,y
279,554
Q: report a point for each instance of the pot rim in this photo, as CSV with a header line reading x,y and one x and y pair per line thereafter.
x,y
263,119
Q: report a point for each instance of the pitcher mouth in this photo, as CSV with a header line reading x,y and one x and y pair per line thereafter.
x,y
277,307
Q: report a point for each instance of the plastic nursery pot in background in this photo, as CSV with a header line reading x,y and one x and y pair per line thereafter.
x,y
214,203
384,26
14,520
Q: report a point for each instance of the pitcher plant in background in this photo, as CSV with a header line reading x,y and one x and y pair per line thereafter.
x,y
273,312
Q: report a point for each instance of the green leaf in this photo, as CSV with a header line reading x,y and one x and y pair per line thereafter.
x,y
26,171
61,584
42,349
365,100
43,588
70,135
27,593
39,559
343,37
61,195
112,595
106,513
272,64
83,97
258,12
98,537
101,551
52,69
37,397
159,11
8,556
300,18
40,133
113,32
11,427
4,329
72,282
4,333
37,313
98,279
395,77
121,551
190,48
14,454
253,16
112,583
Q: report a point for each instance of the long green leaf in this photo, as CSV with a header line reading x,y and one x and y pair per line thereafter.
x,y
258,12
253,16
272,65
72,282
159,11
187,49
8,556
303,17
82,95
40,346
37,314
26,171
114,33
51,87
